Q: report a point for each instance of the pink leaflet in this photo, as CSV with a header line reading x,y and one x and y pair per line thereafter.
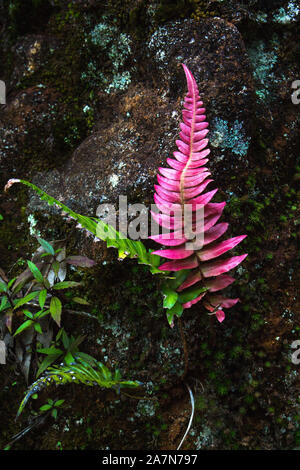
x,y
215,232
194,191
191,175
193,302
177,265
220,315
219,283
174,253
223,301
190,280
168,195
220,267
187,130
180,166
220,248
167,221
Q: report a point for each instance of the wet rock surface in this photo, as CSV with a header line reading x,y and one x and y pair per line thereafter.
x,y
123,156
93,106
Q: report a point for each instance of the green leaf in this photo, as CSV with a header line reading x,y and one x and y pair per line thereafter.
x,y
55,309
47,361
46,245
26,299
170,296
68,359
54,413
35,271
28,314
42,297
178,278
41,314
55,267
10,283
66,284
3,287
191,294
4,303
50,351
177,310
81,301
23,327
45,407
59,402
38,328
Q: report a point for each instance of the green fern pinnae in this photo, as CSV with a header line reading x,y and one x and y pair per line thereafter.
x,y
105,232
80,372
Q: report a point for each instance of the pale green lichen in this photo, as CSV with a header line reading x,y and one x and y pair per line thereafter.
x,y
287,15
117,46
32,225
263,62
231,137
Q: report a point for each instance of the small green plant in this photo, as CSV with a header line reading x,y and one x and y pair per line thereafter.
x,y
36,291
52,406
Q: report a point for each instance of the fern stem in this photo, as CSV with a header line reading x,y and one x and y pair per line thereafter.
x,y
185,349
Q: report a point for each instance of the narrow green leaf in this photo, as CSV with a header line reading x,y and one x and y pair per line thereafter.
x,y
4,303
38,328
26,299
46,245
45,407
3,287
55,267
55,309
42,297
35,271
59,402
10,283
28,314
81,301
66,284
23,327
47,361
68,359
50,351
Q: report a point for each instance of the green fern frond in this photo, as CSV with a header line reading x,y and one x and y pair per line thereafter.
x,y
91,373
105,232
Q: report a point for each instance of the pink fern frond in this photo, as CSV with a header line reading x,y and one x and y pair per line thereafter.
x,y
182,185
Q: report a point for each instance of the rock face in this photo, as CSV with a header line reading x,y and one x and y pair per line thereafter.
x,y
94,100
122,157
